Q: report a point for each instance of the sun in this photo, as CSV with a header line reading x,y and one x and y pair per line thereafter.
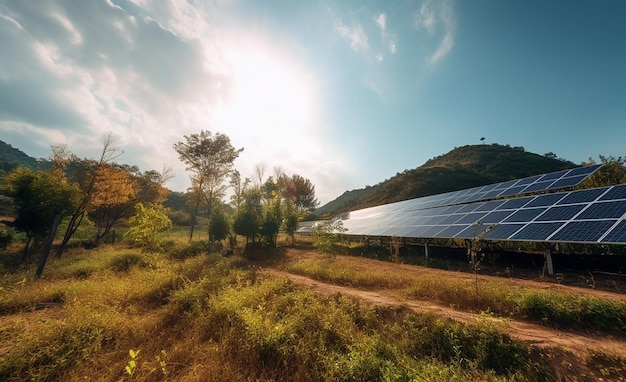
x,y
269,94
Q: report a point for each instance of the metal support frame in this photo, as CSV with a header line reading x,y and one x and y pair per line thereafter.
x,y
548,255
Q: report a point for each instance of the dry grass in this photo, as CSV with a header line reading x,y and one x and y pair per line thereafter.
x,y
211,318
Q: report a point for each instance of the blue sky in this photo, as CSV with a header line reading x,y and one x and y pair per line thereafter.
x,y
345,93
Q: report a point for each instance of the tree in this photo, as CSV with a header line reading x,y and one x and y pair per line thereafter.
x,y
290,221
113,193
210,158
612,172
272,219
147,222
84,173
248,218
38,198
299,190
238,188
219,228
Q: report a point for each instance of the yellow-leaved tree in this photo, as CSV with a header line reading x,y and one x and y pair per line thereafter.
x,y
114,194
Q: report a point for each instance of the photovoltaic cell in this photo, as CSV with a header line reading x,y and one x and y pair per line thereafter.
x,y
583,231
536,231
527,181
553,175
471,218
537,186
561,212
472,231
617,192
495,217
568,182
617,234
606,210
582,170
451,231
502,231
514,203
489,206
582,196
544,200
513,190
524,215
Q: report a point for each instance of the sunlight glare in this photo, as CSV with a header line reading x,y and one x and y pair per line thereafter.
x,y
270,96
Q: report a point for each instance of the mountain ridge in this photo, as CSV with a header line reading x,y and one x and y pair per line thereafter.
x,y
463,167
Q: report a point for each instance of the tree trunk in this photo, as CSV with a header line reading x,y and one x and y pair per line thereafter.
x,y
194,215
29,239
71,229
48,246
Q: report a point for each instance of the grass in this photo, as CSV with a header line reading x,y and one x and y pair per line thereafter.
x,y
462,291
200,316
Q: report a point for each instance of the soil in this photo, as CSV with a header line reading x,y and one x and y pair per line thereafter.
x,y
571,350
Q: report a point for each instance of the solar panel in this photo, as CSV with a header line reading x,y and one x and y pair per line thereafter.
x,y
582,216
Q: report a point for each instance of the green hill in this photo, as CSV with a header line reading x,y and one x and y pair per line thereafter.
x,y
464,167
11,158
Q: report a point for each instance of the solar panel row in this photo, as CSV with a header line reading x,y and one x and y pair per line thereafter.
x,y
585,216
550,181
545,182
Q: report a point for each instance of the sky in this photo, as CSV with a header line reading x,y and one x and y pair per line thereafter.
x,y
346,93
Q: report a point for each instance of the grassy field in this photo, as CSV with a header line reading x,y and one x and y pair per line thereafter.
x,y
472,293
114,313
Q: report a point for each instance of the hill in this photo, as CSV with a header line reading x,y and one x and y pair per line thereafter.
x,y
464,167
11,158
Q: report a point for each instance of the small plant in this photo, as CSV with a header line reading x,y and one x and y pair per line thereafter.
x,y
161,359
327,236
132,364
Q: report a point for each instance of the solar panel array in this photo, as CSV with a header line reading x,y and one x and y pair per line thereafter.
x,y
595,215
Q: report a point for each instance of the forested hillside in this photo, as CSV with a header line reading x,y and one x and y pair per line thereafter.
x,y
464,167
11,157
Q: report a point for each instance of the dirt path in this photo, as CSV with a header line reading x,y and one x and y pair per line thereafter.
x,y
531,333
577,343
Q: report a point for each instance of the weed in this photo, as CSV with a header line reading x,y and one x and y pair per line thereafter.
x,y
132,363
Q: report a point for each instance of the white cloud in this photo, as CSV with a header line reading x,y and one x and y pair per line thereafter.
x,y
355,35
381,21
426,18
392,46
438,19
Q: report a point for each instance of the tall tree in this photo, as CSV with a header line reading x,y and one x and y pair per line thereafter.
x,y
210,158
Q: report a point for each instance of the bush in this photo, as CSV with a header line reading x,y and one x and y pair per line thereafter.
x,y
124,262
7,236
181,252
327,237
